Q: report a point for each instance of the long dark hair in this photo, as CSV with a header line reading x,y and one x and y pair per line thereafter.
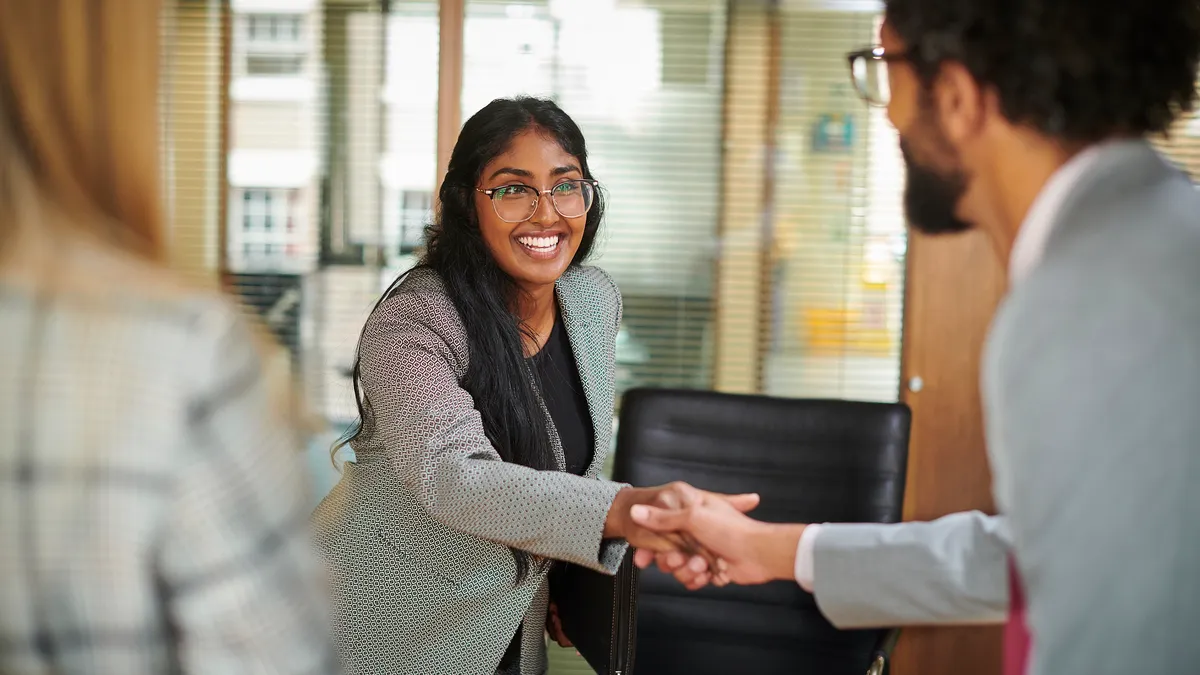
x,y
497,377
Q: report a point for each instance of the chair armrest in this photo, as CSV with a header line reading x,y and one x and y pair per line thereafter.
x,y
881,659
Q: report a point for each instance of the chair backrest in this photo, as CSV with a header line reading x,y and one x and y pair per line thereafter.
x,y
812,461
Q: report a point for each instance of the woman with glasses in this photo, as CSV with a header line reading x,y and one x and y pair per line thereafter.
x,y
485,384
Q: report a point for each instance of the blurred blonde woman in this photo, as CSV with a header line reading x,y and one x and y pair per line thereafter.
x,y
152,510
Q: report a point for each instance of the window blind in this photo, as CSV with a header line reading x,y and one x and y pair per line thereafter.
x,y
813,235
191,102
1182,144
839,233
644,82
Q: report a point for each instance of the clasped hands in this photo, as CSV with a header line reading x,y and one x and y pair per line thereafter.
x,y
699,537
703,537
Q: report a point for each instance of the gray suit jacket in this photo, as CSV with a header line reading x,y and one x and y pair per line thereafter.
x,y
1091,382
416,533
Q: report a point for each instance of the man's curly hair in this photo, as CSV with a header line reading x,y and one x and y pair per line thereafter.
x,y
1077,70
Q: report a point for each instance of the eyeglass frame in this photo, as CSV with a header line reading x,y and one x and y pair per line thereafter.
x,y
537,199
873,53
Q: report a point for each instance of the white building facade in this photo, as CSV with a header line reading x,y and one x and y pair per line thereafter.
x,y
275,130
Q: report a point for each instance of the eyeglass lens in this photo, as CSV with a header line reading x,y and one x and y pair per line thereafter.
x,y
518,203
871,79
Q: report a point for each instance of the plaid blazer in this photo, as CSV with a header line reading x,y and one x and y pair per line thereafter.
x,y
417,532
152,510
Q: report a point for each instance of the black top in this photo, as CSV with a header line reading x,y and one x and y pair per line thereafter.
x,y
558,377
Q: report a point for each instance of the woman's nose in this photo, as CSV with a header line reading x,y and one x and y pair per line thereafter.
x,y
545,213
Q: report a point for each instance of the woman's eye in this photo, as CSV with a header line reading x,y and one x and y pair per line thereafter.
x,y
566,188
510,191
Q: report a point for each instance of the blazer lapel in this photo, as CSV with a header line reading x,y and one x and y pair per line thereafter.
x,y
580,324
560,457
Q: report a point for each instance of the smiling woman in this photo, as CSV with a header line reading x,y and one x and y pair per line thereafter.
x,y
535,232
484,383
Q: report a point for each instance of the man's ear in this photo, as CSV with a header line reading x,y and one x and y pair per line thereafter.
x,y
962,104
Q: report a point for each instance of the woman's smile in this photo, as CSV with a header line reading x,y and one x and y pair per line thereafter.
x,y
541,246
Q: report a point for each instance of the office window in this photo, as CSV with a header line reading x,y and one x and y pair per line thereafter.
x,y
271,210
274,64
273,28
257,210
269,230
273,45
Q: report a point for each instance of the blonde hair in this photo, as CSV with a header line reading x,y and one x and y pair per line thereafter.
x,y
79,119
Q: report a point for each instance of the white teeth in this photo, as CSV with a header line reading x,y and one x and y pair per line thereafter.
x,y
541,243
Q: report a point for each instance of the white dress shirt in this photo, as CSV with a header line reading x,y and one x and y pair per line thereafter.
x,y
1027,252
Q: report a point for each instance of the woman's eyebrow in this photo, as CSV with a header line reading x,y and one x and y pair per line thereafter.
x,y
510,170
523,173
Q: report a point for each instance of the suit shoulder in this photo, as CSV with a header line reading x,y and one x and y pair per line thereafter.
x,y
595,287
596,281
418,300
600,278
419,295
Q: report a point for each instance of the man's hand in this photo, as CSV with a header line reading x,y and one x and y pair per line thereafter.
x,y
750,551
671,496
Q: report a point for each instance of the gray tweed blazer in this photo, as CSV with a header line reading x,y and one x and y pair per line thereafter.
x,y
416,533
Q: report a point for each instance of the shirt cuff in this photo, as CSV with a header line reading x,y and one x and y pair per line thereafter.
x,y
804,557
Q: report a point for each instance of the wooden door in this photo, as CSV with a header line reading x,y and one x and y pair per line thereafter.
x,y
954,284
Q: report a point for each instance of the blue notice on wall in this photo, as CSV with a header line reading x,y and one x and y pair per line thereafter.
x,y
833,132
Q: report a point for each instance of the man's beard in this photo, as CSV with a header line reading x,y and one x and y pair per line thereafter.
x,y
930,198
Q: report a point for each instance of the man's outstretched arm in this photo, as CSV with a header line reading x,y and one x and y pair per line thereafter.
x,y
949,571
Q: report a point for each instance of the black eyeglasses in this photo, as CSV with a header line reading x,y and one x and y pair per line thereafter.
x,y
869,73
517,202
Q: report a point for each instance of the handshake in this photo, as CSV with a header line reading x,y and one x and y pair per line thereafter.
x,y
697,536
703,537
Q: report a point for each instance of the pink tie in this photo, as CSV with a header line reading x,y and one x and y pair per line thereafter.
x,y
1016,633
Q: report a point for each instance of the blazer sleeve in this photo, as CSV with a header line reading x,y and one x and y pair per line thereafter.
x,y
949,571
435,440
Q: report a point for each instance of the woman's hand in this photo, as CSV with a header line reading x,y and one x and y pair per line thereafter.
x,y
554,627
672,496
751,552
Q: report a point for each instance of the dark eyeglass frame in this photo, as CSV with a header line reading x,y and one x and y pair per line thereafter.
x,y
537,197
873,53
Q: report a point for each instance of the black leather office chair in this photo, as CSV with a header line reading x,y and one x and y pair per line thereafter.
x,y
811,461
